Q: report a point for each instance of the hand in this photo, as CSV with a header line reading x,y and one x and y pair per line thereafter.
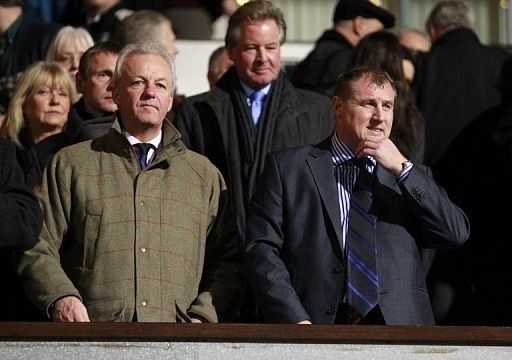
x,y
384,151
195,320
305,322
70,309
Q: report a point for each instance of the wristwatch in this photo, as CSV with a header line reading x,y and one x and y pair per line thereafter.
x,y
406,164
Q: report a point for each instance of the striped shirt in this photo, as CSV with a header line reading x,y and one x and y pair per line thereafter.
x,y
346,172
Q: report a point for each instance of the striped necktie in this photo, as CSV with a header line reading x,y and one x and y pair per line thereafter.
x,y
142,155
362,279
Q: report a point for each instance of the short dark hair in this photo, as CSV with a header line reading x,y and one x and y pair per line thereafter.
x,y
345,81
99,48
257,10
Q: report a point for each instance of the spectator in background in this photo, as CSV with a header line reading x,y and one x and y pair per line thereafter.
x,y
20,224
68,46
221,123
39,107
218,64
220,25
164,249
23,41
145,25
415,40
352,20
99,17
90,117
95,81
458,81
192,19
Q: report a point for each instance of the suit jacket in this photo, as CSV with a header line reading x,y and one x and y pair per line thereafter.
x,y
156,242
294,258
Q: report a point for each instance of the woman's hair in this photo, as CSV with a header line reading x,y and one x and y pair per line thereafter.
x,y
79,35
383,50
39,74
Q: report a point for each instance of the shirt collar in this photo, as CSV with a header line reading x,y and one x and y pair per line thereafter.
x,y
133,140
341,153
249,90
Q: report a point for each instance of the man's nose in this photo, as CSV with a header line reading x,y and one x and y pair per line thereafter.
x,y
150,90
262,54
110,85
378,113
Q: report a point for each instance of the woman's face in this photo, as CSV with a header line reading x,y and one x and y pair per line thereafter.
x,y
69,55
47,109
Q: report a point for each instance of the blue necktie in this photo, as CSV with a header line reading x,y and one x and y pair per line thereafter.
x,y
257,99
142,155
362,279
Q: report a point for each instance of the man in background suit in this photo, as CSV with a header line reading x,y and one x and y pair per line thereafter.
x,y
221,124
300,233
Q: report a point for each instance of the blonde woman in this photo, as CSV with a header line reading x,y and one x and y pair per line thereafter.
x,y
40,104
68,46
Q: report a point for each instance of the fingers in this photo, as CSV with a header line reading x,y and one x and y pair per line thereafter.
x,y
70,309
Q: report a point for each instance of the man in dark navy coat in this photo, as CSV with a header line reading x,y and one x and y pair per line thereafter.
x,y
299,228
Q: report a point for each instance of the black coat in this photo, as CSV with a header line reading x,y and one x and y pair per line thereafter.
x,y
456,82
302,117
330,57
20,224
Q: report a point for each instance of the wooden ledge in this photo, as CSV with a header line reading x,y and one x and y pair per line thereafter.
x,y
256,333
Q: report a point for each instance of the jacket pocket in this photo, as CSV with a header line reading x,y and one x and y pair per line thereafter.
x,y
91,231
106,310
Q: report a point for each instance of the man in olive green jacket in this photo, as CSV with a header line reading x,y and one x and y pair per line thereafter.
x,y
130,236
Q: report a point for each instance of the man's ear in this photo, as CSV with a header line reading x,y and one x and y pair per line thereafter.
x,y
337,104
170,103
115,94
358,26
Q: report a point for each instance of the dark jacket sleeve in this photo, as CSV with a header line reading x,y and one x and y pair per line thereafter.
x,y
266,271
20,215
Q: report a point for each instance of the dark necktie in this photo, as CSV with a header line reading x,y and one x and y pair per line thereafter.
x,y
362,279
257,99
142,155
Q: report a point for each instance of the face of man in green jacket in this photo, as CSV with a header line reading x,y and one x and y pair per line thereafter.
x,y
144,94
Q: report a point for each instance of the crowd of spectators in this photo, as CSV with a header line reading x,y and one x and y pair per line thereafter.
x,y
151,203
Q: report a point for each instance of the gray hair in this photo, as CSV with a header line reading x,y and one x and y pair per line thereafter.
x,y
144,48
80,36
451,14
257,10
